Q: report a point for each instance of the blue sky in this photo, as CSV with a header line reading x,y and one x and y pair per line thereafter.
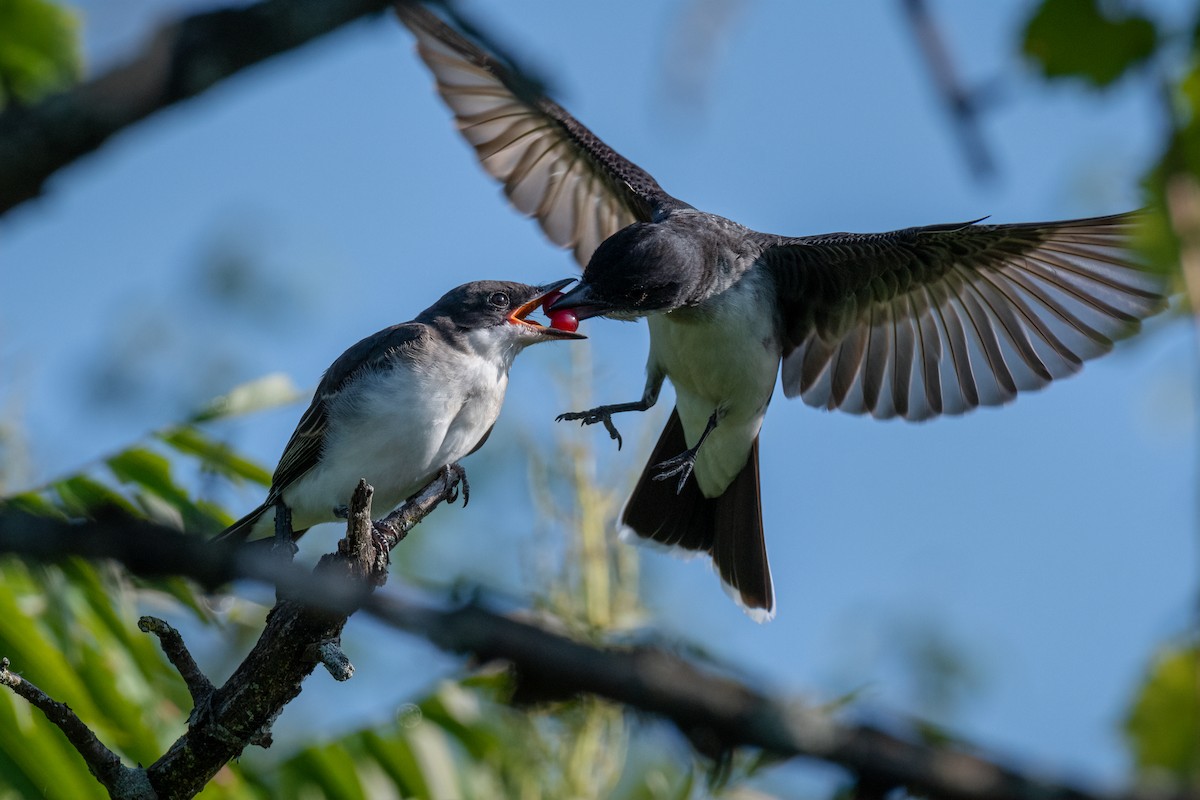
x,y
1053,542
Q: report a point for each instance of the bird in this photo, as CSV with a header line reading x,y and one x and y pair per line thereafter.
x,y
403,404
913,323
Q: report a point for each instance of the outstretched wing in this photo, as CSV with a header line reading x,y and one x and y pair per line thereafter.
x,y
303,450
942,319
553,168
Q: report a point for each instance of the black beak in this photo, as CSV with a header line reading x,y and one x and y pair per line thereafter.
x,y
553,287
582,301
518,316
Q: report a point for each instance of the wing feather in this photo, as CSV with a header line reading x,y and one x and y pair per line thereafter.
x,y
303,449
553,168
940,320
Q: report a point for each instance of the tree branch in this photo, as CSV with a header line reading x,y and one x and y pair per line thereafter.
x,y
180,61
104,764
297,637
198,684
716,712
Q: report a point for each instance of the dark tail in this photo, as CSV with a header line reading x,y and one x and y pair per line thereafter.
x,y
728,527
238,531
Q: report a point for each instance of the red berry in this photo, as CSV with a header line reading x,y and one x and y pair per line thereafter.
x,y
564,320
549,299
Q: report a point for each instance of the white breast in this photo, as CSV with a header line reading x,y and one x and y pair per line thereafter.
x,y
397,427
721,356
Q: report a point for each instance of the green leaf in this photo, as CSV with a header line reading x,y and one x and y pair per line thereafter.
x,y
83,496
150,471
1077,39
332,769
39,49
217,456
268,391
32,503
1163,727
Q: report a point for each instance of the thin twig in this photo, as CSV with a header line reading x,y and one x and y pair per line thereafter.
x,y
103,763
198,684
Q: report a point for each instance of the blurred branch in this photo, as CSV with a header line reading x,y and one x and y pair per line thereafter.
x,y
962,104
716,712
180,61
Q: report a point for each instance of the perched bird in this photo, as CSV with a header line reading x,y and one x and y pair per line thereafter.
x,y
911,323
403,404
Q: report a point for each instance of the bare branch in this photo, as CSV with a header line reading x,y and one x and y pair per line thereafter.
x,y
198,684
104,764
299,634
180,61
716,712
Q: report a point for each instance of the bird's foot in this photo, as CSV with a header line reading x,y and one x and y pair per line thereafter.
x,y
384,538
681,465
341,512
456,478
591,417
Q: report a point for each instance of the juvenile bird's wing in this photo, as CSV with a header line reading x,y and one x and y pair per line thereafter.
x,y
941,319
553,168
303,450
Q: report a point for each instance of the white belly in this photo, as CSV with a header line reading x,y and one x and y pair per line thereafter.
x,y
397,429
721,357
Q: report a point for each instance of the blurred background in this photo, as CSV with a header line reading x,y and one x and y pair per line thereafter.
x,y
1016,577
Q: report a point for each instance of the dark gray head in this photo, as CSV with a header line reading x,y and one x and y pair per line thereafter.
x,y
642,268
491,304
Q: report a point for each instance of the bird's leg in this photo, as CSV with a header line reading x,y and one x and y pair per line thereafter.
x,y
604,414
683,464
654,381
284,543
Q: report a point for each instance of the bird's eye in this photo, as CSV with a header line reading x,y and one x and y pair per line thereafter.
x,y
499,299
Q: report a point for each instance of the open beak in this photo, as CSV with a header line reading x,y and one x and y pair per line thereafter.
x,y
519,316
582,301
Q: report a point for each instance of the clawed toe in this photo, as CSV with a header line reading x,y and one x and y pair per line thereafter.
x,y
682,465
456,476
383,540
591,417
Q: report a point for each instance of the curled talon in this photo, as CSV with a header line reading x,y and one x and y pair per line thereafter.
x,y
456,478
341,512
612,430
384,538
682,465
591,417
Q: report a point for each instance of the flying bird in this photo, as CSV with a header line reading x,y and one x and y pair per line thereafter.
x,y
403,404
913,323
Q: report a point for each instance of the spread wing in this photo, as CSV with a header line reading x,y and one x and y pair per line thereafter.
x,y
304,448
552,167
942,319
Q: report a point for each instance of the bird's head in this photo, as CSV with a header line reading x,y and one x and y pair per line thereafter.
x,y
639,270
499,310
